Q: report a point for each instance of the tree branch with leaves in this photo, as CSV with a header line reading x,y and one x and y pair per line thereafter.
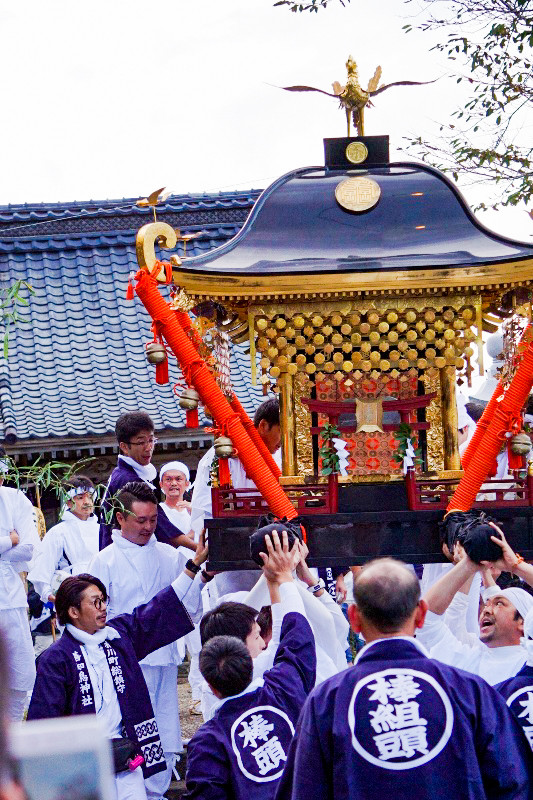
x,y
490,43
11,299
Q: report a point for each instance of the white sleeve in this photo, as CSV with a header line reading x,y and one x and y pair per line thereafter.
x,y
46,562
443,645
258,596
455,619
19,553
190,593
290,601
25,525
5,544
342,626
201,505
23,520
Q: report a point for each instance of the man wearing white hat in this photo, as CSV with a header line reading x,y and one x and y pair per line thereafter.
x,y
496,654
174,480
18,540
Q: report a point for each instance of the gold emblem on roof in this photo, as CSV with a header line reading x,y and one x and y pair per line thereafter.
x,y
357,152
357,194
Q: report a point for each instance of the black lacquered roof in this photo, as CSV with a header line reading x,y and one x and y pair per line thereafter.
x,y
421,221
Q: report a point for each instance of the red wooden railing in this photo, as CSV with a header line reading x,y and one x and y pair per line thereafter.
x,y
425,494
318,498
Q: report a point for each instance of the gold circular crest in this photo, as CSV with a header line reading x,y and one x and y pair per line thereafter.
x,y
357,152
357,194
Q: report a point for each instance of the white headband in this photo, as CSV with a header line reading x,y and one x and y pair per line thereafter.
x,y
74,492
177,465
521,600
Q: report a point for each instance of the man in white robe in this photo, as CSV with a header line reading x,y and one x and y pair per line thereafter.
x,y
134,568
174,480
266,421
495,654
18,539
70,545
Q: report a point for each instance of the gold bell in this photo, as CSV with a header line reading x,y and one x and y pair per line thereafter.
x,y
520,444
155,353
189,400
223,447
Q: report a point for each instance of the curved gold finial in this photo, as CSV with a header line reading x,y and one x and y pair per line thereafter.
x,y
145,241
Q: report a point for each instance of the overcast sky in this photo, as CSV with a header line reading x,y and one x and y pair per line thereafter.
x,y
115,98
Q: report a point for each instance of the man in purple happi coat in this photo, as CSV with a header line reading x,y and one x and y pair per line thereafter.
x,y
135,435
240,753
399,724
518,691
94,667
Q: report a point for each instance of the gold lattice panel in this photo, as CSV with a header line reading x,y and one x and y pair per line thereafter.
x,y
367,337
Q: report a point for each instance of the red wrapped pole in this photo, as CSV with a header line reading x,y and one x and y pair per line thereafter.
x,y
198,375
255,437
506,413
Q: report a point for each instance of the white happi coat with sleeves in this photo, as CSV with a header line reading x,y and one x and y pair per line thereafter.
x,y
133,575
16,513
201,497
449,642
70,545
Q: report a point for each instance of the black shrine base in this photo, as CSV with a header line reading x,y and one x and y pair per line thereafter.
x,y
355,536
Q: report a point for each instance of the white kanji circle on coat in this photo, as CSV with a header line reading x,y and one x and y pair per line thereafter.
x,y
521,704
399,718
260,739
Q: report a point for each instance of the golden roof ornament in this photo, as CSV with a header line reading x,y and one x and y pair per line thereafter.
x,y
153,199
352,97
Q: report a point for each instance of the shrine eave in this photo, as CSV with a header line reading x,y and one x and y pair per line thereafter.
x,y
451,279
419,235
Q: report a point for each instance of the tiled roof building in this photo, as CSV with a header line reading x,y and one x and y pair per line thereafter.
x,y
79,362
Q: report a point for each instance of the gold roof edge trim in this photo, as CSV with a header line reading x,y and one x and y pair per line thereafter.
x,y
219,284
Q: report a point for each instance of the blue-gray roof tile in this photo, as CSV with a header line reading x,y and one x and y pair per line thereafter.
x,y
80,361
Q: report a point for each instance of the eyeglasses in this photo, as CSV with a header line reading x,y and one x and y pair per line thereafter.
x,y
144,442
99,603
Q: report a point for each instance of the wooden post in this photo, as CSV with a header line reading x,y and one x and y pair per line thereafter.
x,y
287,420
333,491
452,459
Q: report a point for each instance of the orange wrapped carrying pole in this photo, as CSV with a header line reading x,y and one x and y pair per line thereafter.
x,y
197,374
507,408
482,426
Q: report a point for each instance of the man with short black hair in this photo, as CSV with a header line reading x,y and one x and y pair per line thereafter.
x,y
231,619
240,753
134,568
399,723
267,422
226,664
135,436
